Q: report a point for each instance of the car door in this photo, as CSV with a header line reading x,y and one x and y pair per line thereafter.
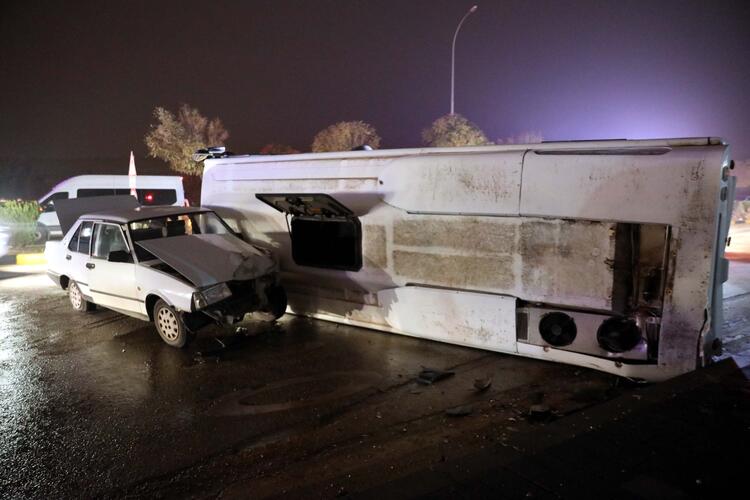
x,y
112,283
77,256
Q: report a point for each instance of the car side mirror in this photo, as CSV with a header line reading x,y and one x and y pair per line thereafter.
x,y
118,256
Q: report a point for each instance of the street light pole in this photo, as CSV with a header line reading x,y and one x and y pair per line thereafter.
x,y
453,53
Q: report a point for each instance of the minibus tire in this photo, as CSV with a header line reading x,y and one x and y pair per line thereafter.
x,y
41,235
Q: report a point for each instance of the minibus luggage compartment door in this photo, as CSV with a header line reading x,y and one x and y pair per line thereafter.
x,y
323,231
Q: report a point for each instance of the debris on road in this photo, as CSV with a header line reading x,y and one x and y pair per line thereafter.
x,y
460,411
539,409
540,413
482,384
428,376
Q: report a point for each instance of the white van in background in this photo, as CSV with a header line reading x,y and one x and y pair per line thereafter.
x,y
151,190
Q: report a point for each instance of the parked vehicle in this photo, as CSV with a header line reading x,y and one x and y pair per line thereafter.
x,y
4,239
151,190
603,254
180,267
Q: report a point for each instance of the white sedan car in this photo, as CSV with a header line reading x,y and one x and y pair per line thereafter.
x,y
181,268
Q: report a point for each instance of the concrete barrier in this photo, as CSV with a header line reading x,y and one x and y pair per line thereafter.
x,y
23,259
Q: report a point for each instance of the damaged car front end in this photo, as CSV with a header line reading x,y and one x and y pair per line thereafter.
x,y
228,303
230,277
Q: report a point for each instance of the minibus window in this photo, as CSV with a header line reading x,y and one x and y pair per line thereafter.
x,y
85,193
157,196
48,205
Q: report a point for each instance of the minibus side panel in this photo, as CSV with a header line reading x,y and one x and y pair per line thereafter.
x,y
476,247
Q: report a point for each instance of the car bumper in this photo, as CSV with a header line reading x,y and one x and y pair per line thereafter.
x,y
54,277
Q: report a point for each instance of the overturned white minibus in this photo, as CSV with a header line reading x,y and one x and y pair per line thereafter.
x,y
607,254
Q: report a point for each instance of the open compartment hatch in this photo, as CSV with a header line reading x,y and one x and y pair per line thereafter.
x,y
324,232
309,205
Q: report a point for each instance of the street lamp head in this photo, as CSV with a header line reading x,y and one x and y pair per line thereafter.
x,y
472,10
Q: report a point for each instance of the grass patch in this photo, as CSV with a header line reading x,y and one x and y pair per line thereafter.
x,y
21,217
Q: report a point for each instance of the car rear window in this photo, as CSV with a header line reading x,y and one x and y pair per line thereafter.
x,y
81,240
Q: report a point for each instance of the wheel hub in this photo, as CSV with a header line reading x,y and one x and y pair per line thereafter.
x,y
167,323
75,296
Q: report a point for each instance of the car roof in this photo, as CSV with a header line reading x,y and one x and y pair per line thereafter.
x,y
124,215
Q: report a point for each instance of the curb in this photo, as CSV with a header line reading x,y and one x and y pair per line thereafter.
x,y
23,259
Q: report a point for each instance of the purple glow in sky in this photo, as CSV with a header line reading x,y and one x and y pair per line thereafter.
x,y
79,79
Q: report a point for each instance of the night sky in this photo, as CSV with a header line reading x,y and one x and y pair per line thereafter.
x,y
80,78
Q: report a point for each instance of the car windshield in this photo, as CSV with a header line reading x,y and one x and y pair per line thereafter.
x,y
174,225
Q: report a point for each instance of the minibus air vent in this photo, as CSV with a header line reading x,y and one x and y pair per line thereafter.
x,y
618,334
558,329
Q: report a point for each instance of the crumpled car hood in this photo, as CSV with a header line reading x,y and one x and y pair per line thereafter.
x,y
208,259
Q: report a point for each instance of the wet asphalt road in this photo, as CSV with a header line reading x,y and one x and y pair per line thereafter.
x,y
97,405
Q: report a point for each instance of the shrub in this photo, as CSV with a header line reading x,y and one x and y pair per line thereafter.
x,y
21,217
453,131
345,136
174,138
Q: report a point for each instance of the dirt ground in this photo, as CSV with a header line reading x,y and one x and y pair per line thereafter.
x,y
97,405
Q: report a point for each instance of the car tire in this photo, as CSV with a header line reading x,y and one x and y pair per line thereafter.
x,y
169,325
277,303
77,299
41,235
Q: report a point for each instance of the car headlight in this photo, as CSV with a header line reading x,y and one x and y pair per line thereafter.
x,y
211,295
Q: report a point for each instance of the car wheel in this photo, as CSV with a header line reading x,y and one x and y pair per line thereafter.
x,y
40,235
277,303
169,325
77,300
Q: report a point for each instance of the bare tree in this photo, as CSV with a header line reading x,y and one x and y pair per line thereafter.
x,y
345,136
528,137
454,130
277,149
174,139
